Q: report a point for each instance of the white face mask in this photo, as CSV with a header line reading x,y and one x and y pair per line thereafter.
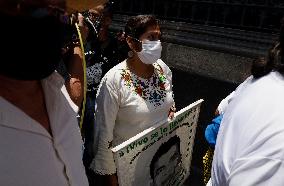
x,y
151,51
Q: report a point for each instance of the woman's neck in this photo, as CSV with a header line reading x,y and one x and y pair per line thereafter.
x,y
139,68
27,96
13,89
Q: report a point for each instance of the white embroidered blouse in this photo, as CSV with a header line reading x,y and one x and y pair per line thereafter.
x,y
125,106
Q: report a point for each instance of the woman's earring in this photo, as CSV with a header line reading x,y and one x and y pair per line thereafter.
x,y
130,54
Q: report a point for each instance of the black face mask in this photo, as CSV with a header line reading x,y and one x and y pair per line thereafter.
x,y
31,47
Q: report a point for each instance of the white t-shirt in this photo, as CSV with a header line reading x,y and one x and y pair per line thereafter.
x,y
225,102
30,155
250,143
127,105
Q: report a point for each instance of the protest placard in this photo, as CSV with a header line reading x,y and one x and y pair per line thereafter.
x,y
160,155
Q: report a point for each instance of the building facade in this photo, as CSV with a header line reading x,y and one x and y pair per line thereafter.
x,y
214,38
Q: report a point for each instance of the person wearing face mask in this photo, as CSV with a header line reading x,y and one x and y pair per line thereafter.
x,y
40,140
101,52
133,96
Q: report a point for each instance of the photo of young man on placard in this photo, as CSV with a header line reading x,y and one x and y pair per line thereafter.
x,y
166,165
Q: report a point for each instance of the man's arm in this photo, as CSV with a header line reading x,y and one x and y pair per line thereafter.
x,y
75,83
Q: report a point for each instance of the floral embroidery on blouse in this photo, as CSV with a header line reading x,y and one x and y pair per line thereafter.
x,y
152,90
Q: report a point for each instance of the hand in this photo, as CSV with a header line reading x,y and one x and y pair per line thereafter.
x,y
120,36
172,112
83,27
84,30
75,84
217,112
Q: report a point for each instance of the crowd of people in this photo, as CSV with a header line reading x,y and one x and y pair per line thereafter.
x,y
127,91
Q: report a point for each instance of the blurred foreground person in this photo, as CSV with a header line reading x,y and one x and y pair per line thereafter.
x,y
250,148
258,69
39,136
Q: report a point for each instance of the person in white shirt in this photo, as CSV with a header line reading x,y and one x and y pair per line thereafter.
x,y
250,148
40,140
133,96
258,69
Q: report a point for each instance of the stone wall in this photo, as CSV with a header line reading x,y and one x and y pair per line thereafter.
x,y
221,53
217,65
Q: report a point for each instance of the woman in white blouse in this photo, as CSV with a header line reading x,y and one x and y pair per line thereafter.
x,y
133,96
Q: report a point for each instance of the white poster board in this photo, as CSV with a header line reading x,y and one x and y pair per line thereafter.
x,y
160,155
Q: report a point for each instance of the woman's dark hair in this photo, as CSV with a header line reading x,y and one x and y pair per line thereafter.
x,y
275,59
259,67
137,25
